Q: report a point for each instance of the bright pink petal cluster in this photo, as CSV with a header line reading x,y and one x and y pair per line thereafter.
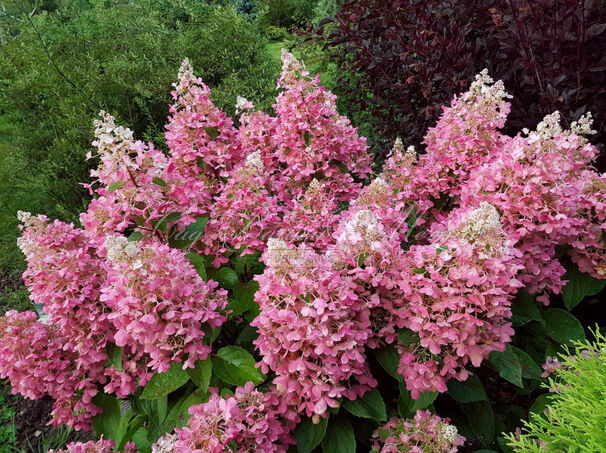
x,y
249,421
159,303
100,446
312,330
425,433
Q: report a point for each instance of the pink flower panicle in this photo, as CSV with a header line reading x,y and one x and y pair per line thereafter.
x,y
249,421
425,433
160,304
312,330
458,292
100,446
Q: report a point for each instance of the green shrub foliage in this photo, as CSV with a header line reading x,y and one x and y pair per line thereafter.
x,y
62,62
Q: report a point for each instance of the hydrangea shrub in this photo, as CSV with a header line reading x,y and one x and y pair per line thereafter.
x,y
239,291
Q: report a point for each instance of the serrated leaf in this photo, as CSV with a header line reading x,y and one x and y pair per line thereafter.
x,y
389,359
162,384
201,373
227,277
116,185
212,132
562,326
236,366
508,366
579,286
309,435
371,405
468,391
339,437
159,181
530,369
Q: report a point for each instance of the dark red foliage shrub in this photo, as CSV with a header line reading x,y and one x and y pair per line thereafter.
x,y
399,59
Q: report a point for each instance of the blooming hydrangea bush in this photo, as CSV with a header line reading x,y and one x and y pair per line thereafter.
x,y
235,292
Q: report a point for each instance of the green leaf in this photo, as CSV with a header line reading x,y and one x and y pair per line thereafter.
x,y
114,356
579,286
468,391
109,422
246,337
307,137
179,413
508,366
407,337
524,309
530,369
196,229
201,373
116,186
162,384
309,435
133,426
481,421
389,359
135,236
141,441
562,326
198,262
426,399
236,366
244,298
212,132
339,437
407,406
371,405
159,181
227,277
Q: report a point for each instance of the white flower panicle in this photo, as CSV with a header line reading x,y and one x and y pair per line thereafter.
x,y
583,125
491,91
253,161
550,126
243,104
449,432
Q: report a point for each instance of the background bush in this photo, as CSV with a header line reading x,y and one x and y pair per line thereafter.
x,y
409,56
63,61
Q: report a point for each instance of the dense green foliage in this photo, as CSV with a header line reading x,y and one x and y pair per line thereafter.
x,y
574,414
62,62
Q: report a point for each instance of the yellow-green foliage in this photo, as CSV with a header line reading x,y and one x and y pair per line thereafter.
x,y
575,418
